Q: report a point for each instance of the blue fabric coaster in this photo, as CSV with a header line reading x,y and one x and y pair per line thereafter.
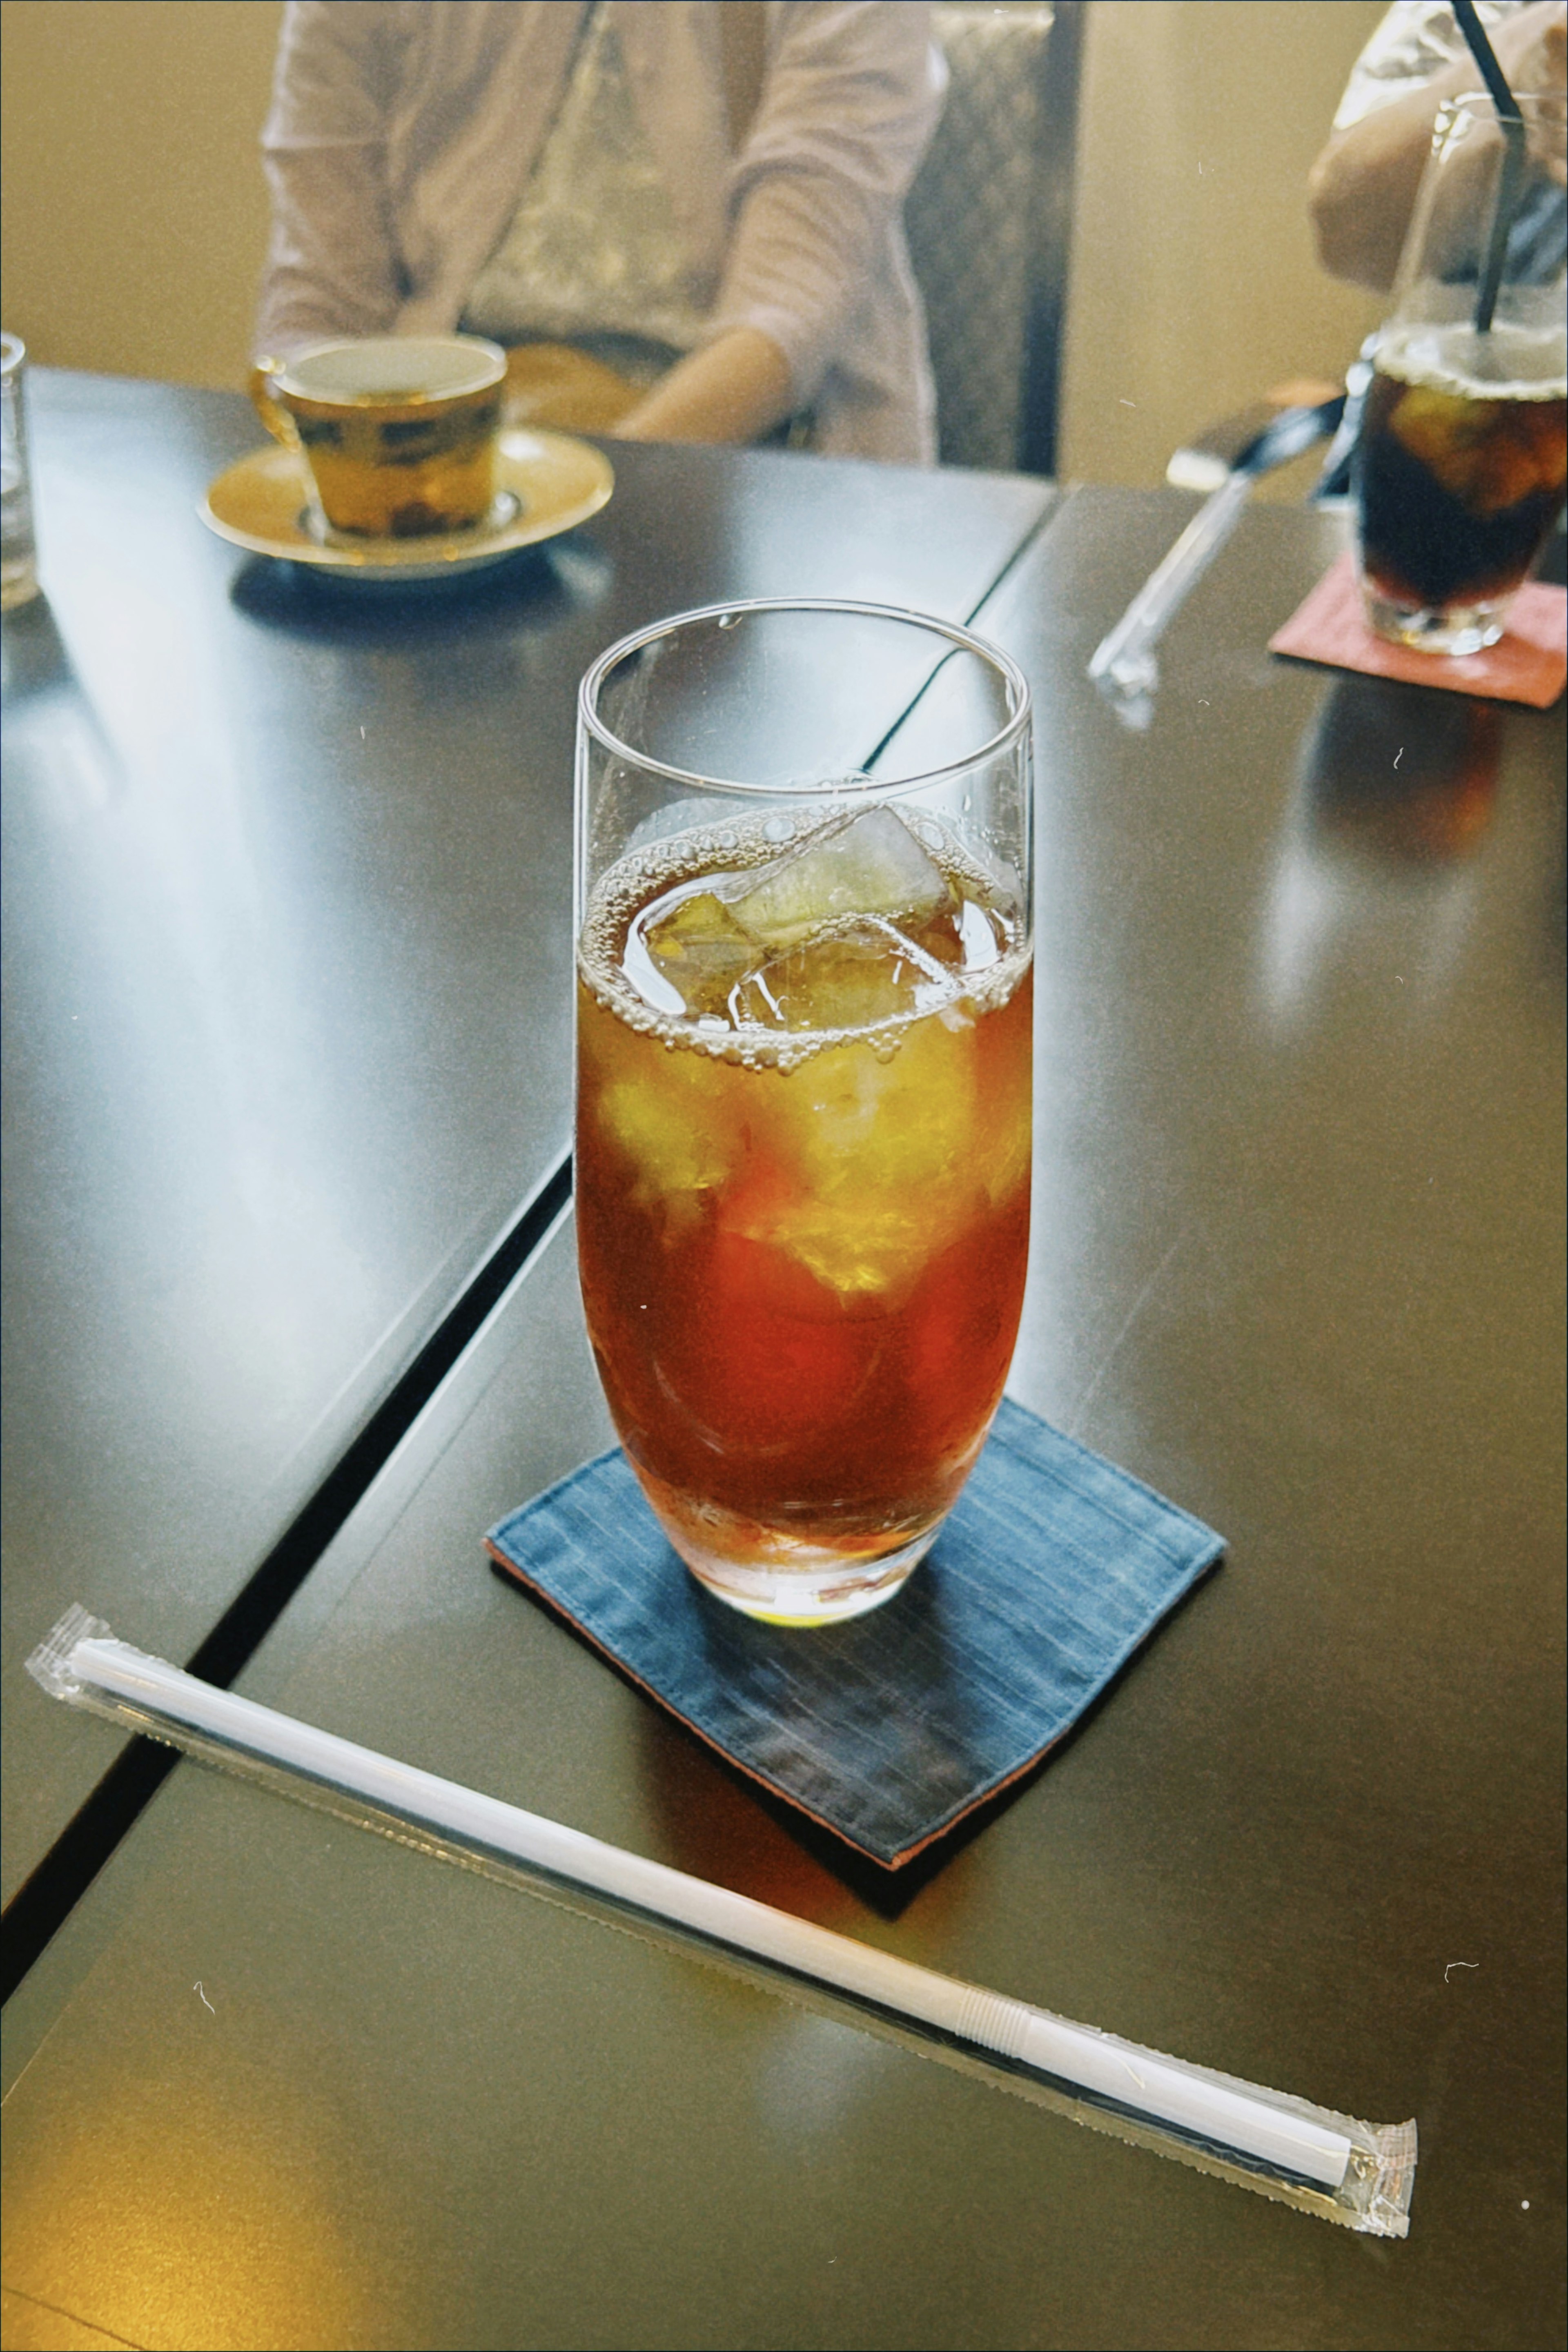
x,y
1053,1567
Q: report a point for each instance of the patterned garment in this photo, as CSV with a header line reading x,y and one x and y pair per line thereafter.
x,y
594,254
401,140
1416,39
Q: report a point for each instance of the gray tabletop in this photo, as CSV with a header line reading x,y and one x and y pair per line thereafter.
x,y
287,933
1297,1254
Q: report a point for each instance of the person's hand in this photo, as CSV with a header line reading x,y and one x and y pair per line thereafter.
x,y
1362,189
732,389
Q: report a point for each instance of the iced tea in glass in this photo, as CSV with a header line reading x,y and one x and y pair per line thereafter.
x,y
804,1027
1460,463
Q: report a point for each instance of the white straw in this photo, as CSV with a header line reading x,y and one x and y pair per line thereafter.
x,y
1126,657
1152,2085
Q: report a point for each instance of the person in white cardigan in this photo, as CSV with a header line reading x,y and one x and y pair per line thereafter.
x,y
704,196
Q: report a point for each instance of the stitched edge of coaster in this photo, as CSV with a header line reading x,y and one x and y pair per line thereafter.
x,y
548,1493
1014,1443
950,1821
895,1860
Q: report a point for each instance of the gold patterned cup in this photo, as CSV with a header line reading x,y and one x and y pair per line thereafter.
x,y
397,433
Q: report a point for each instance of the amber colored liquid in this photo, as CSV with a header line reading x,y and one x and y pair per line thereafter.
x,y
392,471
803,1282
1456,490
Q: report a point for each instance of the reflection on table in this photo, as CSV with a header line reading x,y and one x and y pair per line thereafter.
x,y
288,956
1298,1241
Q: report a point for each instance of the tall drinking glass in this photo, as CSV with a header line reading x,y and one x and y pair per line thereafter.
x,y
1459,473
803,1019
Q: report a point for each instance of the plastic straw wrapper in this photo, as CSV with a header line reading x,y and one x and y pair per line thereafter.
x,y
1358,2174
1124,666
1124,662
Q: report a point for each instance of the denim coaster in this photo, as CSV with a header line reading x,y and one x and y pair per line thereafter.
x,y
1053,1567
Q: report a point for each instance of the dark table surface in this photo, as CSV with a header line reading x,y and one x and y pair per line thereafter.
x,y
1298,1262
286,938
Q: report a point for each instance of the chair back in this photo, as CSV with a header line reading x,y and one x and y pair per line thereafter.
x,y
989,220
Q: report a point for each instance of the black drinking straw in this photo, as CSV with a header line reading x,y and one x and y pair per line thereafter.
x,y
1511,124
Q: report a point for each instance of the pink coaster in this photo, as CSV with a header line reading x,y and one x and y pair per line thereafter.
x,y
1527,665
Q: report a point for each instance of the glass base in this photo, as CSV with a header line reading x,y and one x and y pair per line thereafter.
x,y
803,1584
1436,628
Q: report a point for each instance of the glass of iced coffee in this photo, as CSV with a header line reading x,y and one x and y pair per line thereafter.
x,y
1458,473
803,1026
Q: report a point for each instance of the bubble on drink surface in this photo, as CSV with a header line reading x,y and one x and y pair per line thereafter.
x,y
869,863
663,947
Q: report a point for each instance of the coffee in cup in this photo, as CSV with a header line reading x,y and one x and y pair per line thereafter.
x,y
399,432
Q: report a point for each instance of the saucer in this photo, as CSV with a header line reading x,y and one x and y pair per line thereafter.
x,y
546,483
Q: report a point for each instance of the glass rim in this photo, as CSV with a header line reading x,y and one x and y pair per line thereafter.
x,y
13,352
482,377
1524,99
1478,103
964,639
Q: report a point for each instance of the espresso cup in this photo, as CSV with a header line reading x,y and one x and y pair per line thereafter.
x,y
397,433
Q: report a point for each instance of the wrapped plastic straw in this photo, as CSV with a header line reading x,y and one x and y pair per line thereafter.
x,y
1124,665
1125,660
1355,2173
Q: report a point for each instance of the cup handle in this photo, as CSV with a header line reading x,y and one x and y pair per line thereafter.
x,y
268,406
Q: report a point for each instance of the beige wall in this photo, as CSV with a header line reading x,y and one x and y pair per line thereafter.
x,y
134,214
1193,285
